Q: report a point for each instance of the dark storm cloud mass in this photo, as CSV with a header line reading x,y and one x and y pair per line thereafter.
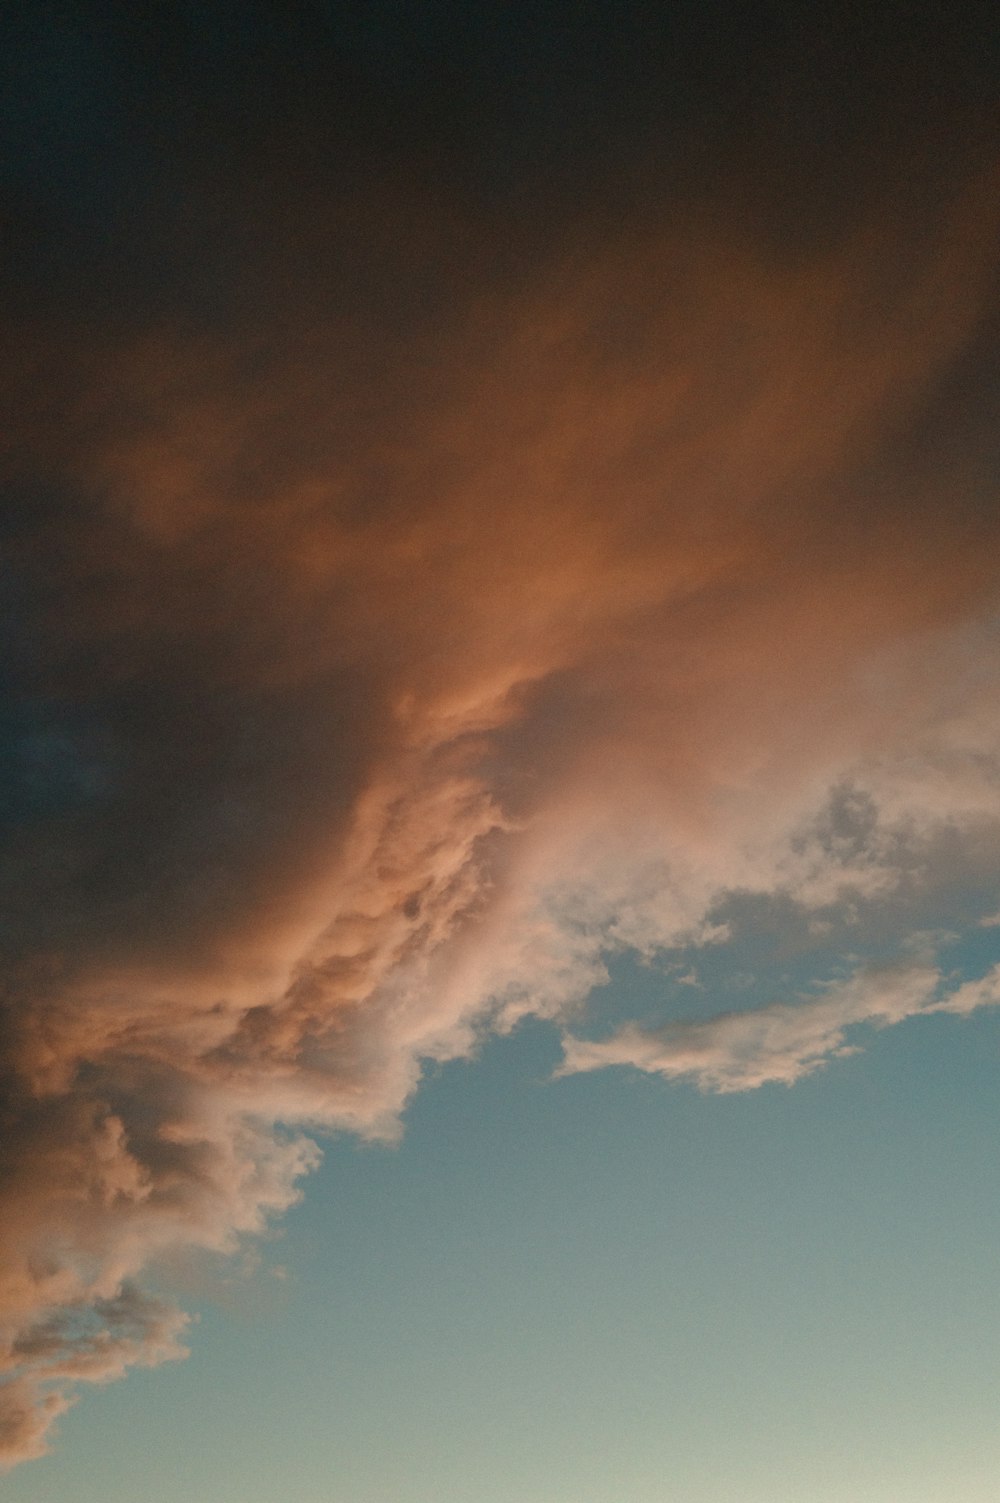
x,y
485,492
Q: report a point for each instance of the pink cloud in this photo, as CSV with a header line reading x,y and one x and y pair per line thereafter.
x,y
388,680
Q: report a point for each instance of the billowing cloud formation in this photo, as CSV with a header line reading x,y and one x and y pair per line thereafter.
x,y
387,659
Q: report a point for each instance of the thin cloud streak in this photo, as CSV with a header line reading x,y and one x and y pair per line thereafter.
x,y
740,1051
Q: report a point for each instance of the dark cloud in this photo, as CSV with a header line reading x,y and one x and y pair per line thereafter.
x,y
476,484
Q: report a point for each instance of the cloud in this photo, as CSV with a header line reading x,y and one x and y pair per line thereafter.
x,y
984,991
392,651
739,1051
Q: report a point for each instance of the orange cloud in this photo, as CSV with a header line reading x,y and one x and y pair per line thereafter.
x,y
378,676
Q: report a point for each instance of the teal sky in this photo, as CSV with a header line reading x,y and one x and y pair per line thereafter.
x,y
605,1286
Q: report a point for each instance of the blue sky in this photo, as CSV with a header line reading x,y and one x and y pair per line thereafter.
x,y
600,1286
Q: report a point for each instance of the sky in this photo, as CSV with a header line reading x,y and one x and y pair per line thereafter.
x,y
500,754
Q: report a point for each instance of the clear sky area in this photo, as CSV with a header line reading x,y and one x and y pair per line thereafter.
x,y
500,754
599,1288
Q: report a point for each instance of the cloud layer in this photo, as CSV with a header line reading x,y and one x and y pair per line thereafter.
x,y
405,633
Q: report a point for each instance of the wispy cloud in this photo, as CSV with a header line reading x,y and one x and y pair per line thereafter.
x,y
739,1051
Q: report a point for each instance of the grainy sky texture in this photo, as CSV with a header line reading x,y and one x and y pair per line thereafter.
x,y
500,542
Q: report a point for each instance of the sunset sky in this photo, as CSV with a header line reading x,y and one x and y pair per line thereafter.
x,y
500,756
